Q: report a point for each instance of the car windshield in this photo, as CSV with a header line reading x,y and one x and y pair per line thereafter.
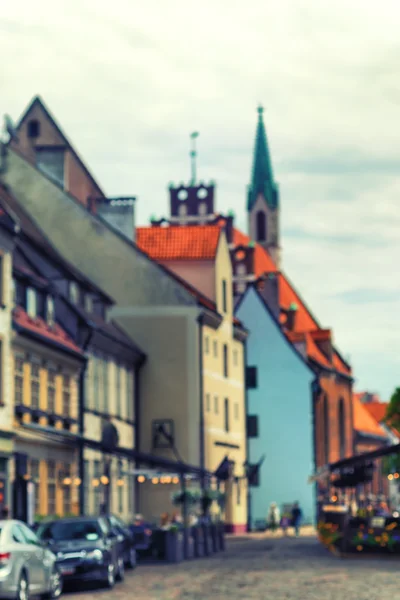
x,y
68,531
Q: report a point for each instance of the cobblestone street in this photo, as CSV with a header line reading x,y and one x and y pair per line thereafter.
x,y
263,568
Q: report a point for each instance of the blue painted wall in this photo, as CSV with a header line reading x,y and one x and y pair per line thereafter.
x,y
283,403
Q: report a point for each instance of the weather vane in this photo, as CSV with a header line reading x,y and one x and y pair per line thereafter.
x,y
193,155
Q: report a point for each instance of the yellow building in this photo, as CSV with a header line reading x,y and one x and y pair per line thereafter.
x,y
200,256
46,366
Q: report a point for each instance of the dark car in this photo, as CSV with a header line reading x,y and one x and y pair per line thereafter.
x,y
87,549
126,540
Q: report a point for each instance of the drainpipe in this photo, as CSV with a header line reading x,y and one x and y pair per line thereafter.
x,y
316,391
201,420
81,424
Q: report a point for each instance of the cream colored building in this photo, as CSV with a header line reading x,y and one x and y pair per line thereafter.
x,y
200,255
8,230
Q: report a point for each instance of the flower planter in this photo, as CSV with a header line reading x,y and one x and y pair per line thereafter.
x,y
221,536
198,545
168,545
206,539
214,537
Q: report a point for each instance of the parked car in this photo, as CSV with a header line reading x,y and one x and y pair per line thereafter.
x,y
86,549
27,567
125,538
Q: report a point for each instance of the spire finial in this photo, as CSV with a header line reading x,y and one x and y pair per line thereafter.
x,y
260,110
193,155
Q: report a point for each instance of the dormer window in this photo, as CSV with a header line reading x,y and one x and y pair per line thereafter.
x,y
50,311
88,303
33,129
31,303
74,292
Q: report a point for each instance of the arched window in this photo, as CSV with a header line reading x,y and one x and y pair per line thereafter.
x,y
342,429
261,226
326,429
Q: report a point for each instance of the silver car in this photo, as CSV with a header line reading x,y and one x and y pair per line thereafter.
x,y
27,568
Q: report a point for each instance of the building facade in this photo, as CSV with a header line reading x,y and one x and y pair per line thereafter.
x,y
282,407
200,255
8,232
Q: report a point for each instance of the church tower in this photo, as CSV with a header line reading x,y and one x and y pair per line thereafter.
x,y
263,197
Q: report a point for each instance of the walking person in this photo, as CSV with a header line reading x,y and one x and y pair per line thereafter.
x,y
285,522
273,517
296,518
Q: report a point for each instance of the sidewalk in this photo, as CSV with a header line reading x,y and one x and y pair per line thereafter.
x,y
306,531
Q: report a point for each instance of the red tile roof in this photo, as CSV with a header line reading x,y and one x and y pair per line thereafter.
x,y
305,322
363,421
41,328
179,242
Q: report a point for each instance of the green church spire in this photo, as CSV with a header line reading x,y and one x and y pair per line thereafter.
x,y
262,179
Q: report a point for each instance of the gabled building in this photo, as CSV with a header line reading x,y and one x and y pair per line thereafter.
x,y
256,263
9,229
153,306
200,256
103,386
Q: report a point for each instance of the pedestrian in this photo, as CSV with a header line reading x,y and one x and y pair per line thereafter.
x,y
296,518
273,517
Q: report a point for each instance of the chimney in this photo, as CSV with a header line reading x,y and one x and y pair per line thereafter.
x,y
119,213
269,289
229,220
291,314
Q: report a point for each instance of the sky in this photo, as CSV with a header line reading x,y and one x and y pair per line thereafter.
x,y
128,81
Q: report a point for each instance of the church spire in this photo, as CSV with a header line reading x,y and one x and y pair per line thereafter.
x,y
262,179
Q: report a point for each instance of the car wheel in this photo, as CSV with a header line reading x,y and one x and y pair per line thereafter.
x,y
110,581
56,586
132,560
23,588
121,569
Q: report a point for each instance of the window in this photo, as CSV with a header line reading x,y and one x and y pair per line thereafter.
x,y
96,382
224,297
105,385
208,402
118,390
182,210
51,392
225,359
66,396
326,428
31,303
206,344
19,380
51,162
35,386
215,348
34,472
342,429
50,312
241,270
97,474
74,292
226,414
130,400
17,535
86,485
51,487
14,292
67,490
235,358
261,226
238,492
33,129
216,407
88,303
29,535
236,411
120,489
1,279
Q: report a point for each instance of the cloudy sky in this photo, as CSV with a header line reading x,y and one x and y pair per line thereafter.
x,y
128,81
